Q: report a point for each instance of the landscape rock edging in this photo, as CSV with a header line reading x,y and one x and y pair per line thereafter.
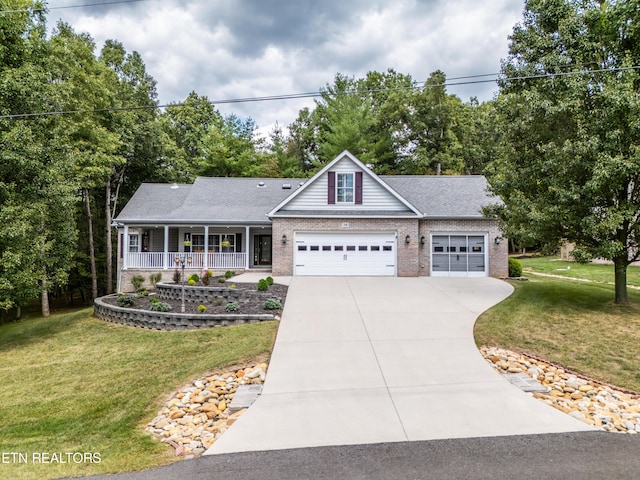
x,y
197,415
603,406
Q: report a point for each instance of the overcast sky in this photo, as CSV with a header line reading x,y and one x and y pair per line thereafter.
x,y
227,49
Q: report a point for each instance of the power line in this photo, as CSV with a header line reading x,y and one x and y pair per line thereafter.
x,y
475,79
44,9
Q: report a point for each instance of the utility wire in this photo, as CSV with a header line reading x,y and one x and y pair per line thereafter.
x,y
475,79
44,9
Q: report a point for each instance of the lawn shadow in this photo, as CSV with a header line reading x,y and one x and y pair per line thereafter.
x,y
31,330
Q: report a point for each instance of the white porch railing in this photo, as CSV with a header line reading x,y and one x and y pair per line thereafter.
x,y
215,261
145,260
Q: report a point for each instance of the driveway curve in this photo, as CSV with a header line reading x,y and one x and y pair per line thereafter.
x,y
361,360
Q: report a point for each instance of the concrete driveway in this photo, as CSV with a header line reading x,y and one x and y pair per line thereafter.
x,y
369,360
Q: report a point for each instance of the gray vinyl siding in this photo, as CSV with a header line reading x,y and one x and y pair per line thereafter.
x,y
156,240
374,195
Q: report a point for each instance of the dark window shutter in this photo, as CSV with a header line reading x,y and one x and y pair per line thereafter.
x,y
331,194
358,188
239,246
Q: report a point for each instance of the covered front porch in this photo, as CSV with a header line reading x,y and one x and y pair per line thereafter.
x,y
233,247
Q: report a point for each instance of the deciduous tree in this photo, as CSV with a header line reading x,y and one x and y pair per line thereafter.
x,y
570,98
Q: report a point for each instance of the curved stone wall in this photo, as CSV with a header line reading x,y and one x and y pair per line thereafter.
x,y
204,295
169,320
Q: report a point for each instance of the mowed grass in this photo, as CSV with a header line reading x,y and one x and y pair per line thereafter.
x,y
574,324
595,272
72,383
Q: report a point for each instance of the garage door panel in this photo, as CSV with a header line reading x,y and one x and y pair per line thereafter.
x,y
458,255
345,254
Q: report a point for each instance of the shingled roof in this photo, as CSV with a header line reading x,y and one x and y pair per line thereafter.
x,y
248,200
444,196
208,200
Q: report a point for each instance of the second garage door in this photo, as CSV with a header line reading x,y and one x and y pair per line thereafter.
x,y
371,254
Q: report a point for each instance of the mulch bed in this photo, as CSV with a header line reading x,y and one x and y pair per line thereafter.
x,y
247,306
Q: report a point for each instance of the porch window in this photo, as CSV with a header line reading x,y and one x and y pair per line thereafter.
x,y
134,243
225,243
228,243
197,243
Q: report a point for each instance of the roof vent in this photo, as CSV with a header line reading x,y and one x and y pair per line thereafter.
x,y
286,186
261,185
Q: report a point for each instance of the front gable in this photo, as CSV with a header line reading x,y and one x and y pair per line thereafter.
x,y
345,185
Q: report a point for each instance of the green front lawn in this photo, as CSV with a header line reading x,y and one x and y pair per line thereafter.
x,y
72,383
590,271
575,324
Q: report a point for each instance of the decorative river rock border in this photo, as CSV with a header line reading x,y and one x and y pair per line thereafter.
x,y
605,407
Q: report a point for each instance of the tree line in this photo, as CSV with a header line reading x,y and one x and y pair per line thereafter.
x,y
559,142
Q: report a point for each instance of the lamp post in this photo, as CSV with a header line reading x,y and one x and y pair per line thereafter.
x,y
182,260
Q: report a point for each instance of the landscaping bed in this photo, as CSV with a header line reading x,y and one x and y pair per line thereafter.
x,y
249,300
213,304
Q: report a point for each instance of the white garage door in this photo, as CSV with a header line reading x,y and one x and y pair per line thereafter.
x,y
462,255
331,254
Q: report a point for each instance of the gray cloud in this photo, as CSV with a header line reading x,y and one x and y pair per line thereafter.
x,y
245,48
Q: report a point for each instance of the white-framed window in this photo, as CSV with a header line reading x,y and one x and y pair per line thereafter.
x,y
134,243
225,243
345,187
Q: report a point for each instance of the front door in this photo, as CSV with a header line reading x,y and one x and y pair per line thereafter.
x,y
262,250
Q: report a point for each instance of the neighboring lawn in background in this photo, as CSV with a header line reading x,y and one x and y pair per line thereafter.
x,y
574,324
72,383
595,272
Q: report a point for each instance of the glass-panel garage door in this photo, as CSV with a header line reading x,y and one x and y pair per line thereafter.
x,y
463,255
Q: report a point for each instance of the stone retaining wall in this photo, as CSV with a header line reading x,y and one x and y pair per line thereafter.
x,y
169,320
204,295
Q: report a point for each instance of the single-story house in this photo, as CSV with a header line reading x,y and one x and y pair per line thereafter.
x,y
345,220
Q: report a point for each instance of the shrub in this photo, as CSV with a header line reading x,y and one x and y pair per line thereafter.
x,y
142,292
154,300
137,281
263,285
177,276
202,308
232,307
126,300
206,277
515,268
229,274
191,282
269,280
272,304
159,307
221,279
233,285
154,278
195,277
218,302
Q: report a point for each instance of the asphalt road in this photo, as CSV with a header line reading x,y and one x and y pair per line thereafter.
x,y
584,455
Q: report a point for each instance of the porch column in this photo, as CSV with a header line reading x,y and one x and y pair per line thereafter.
x,y
205,261
125,247
165,260
247,244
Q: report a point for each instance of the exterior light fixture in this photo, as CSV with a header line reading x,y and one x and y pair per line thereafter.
x,y
498,240
284,239
407,239
422,240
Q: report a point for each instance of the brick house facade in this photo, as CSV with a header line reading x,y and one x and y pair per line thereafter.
x,y
345,220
